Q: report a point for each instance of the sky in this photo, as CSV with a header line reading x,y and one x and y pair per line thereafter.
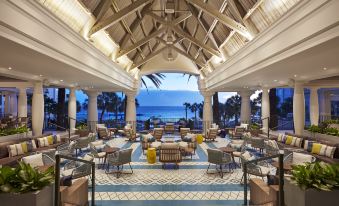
x,y
175,81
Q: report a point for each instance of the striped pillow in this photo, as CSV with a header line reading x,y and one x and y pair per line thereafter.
x,y
330,151
12,150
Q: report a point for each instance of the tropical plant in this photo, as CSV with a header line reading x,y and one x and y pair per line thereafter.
x,y
286,107
216,109
314,129
254,126
194,109
187,106
24,179
155,79
110,102
317,175
11,131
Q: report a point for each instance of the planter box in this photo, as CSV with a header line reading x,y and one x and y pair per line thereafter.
x,y
322,137
295,196
42,197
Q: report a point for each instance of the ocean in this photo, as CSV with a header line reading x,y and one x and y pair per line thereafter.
x,y
145,112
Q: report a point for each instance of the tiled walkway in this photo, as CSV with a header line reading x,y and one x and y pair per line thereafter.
x,y
151,185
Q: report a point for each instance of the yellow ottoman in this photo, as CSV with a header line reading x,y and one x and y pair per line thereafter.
x,y
200,138
151,155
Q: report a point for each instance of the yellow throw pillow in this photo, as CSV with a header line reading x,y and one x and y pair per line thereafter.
x,y
50,140
316,147
289,140
24,147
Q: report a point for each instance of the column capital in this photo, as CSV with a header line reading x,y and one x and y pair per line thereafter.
x,y
92,94
131,93
207,94
245,93
72,91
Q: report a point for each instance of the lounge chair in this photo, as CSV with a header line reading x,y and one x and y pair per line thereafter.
x,y
218,158
170,153
211,134
131,135
184,131
157,133
119,159
237,133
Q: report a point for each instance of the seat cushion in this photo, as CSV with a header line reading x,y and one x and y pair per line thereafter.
x,y
101,154
265,170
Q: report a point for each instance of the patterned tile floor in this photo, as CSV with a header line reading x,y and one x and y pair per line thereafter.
x,y
151,185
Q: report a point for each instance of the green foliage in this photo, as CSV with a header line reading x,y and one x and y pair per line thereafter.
x,y
24,179
314,129
11,131
317,175
254,126
82,126
147,124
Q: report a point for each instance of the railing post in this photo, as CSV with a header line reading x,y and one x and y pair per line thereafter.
x,y
57,181
93,185
281,180
245,184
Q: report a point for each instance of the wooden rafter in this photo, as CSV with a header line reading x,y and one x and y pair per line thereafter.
x,y
106,23
227,21
101,9
181,52
148,58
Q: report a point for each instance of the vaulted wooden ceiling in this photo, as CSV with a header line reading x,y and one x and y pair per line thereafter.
x,y
197,29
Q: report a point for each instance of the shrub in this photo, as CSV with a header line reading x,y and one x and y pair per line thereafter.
x,y
317,175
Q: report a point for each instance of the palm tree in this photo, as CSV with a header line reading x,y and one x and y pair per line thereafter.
x,y
194,109
187,106
155,79
232,106
107,102
216,113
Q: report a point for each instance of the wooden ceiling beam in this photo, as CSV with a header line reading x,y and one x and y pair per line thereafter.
x,y
148,58
227,21
101,9
106,23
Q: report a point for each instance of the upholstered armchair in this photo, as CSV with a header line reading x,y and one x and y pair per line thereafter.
x,y
131,135
157,133
170,153
183,132
211,134
97,154
237,133
118,159
218,158
169,128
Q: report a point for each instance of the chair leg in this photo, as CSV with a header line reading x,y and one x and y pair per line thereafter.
x,y
208,168
221,173
130,167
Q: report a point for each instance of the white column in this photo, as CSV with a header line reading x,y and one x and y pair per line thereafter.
x,y
72,108
7,109
314,106
22,102
92,110
207,110
37,109
14,104
245,110
298,108
265,107
131,113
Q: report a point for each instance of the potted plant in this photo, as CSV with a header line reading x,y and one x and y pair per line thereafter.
x,y
82,130
312,184
255,129
25,185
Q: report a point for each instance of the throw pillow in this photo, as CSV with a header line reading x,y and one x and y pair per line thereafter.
x,y
246,155
289,140
294,139
323,150
56,139
316,147
298,142
19,149
330,151
34,160
41,142
24,147
88,157
280,136
12,150
50,139
46,141
31,145
299,158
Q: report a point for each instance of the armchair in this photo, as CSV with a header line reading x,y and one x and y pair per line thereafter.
x,y
81,143
237,133
258,143
169,128
96,154
131,135
170,153
78,169
218,158
253,169
211,134
157,133
119,159
66,149
183,132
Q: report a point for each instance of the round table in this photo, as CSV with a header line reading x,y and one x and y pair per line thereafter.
x,y
109,150
228,150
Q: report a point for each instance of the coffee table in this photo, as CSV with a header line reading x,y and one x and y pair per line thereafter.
x,y
109,150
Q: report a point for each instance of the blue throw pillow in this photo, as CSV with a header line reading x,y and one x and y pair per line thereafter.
x,y
309,146
29,146
152,139
187,139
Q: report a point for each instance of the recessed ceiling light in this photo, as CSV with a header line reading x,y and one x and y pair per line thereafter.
x,y
324,68
61,80
295,75
9,68
275,80
40,75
